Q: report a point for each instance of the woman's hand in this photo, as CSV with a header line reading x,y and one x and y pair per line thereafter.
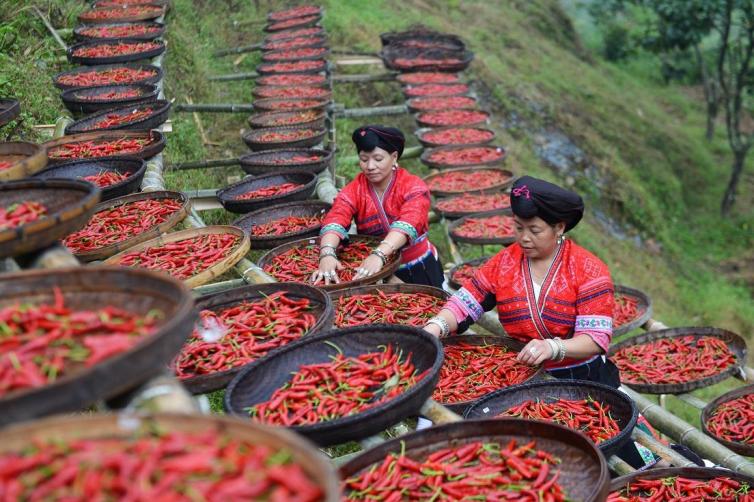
x,y
328,271
370,266
535,353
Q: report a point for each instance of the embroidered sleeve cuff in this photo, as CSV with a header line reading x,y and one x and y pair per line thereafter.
x,y
459,313
467,303
405,228
336,228
598,328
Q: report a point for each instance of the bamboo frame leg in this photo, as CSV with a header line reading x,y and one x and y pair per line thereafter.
x,y
660,449
619,466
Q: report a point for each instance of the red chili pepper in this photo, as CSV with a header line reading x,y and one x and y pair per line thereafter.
x,y
444,103
120,119
120,12
287,119
99,148
281,25
408,63
465,272
417,78
120,223
474,203
300,32
473,471
436,90
673,360
110,76
106,178
393,308
124,31
287,225
115,49
155,465
5,165
42,342
304,10
487,227
293,43
462,136
285,136
733,420
185,258
292,80
304,52
464,181
675,488
243,333
269,191
21,213
297,264
452,117
470,371
109,95
292,92
625,310
317,64
466,156
342,387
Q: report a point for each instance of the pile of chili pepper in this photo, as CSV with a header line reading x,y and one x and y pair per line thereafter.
x,y
175,465
286,136
293,43
185,258
270,191
119,3
109,95
470,371
316,64
40,343
123,31
294,104
121,12
303,10
290,23
625,310
5,165
734,420
21,213
408,63
243,333
119,223
462,136
296,159
293,54
98,148
452,117
474,203
586,415
287,225
436,90
115,49
292,92
464,181
106,178
465,272
277,119
391,308
427,77
120,119
676,488
673,360
473,471
424,44
298,264
339,388
292,80
467,155
300,32
445,103
489,227
109,76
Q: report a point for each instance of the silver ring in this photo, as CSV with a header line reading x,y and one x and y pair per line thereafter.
x,y
533,350
329,274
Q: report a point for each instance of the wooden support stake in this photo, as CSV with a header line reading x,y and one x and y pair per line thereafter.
x,y
52,30
234,76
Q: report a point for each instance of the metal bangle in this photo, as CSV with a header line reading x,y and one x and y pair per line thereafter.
x,y
382,256
392,248
442,324
554,348
561,345
323,246
325,255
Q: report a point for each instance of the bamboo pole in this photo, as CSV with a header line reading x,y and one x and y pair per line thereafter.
x,y
692,400
619,466
49,27
202,164
217,287
438,413
370,111
153,180
660,449
233,76
364,77
60,124
237,50
214,107
325,188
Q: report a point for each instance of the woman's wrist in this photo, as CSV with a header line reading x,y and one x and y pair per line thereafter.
x,y
379,254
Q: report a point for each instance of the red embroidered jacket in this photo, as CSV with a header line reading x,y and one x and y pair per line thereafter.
x,y
576,297
404,207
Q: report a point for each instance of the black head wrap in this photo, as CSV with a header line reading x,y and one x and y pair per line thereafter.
x,y
532,197
390,139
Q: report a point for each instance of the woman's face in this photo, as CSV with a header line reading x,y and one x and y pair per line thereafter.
x,y
377,165
537,237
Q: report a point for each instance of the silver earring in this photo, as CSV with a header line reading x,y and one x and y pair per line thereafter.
x,y
395,167
561,239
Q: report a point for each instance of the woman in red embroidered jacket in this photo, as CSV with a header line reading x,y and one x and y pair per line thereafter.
x,y
387,201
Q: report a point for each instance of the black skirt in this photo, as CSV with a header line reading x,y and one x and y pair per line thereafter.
x,y
428,272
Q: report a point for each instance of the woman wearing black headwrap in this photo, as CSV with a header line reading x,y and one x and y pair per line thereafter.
x,y
387,201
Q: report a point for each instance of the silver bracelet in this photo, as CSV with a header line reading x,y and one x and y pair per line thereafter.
x,y
561,346
442,324
392,248
326,254
382,256
554,348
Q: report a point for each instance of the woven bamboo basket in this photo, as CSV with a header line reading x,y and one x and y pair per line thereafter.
x,y
156,145
425,157
26,158
644,307
481,170
740,448
503,241
10,108
700,473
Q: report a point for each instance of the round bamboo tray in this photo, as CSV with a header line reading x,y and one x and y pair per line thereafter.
x,y
257,381
207,275
227,195
153,79
447,91
735,344
278,56
303,22
700,473
399,38
420,104
409,79
298,79
122,58
159,31
644,307
322,310
503,241
453,215
76,99
388,270
253,141
425,157
133,168
268,119
512,344
156,145
424,119
278,92
270,69
273,105
622,409
93,287
268,161
26,159
150,233
127,426
147,16
10,108
474,263
436,60
267,214
283,15
491,189
421,133
159,114
583,469
69,203
744,449
304,43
